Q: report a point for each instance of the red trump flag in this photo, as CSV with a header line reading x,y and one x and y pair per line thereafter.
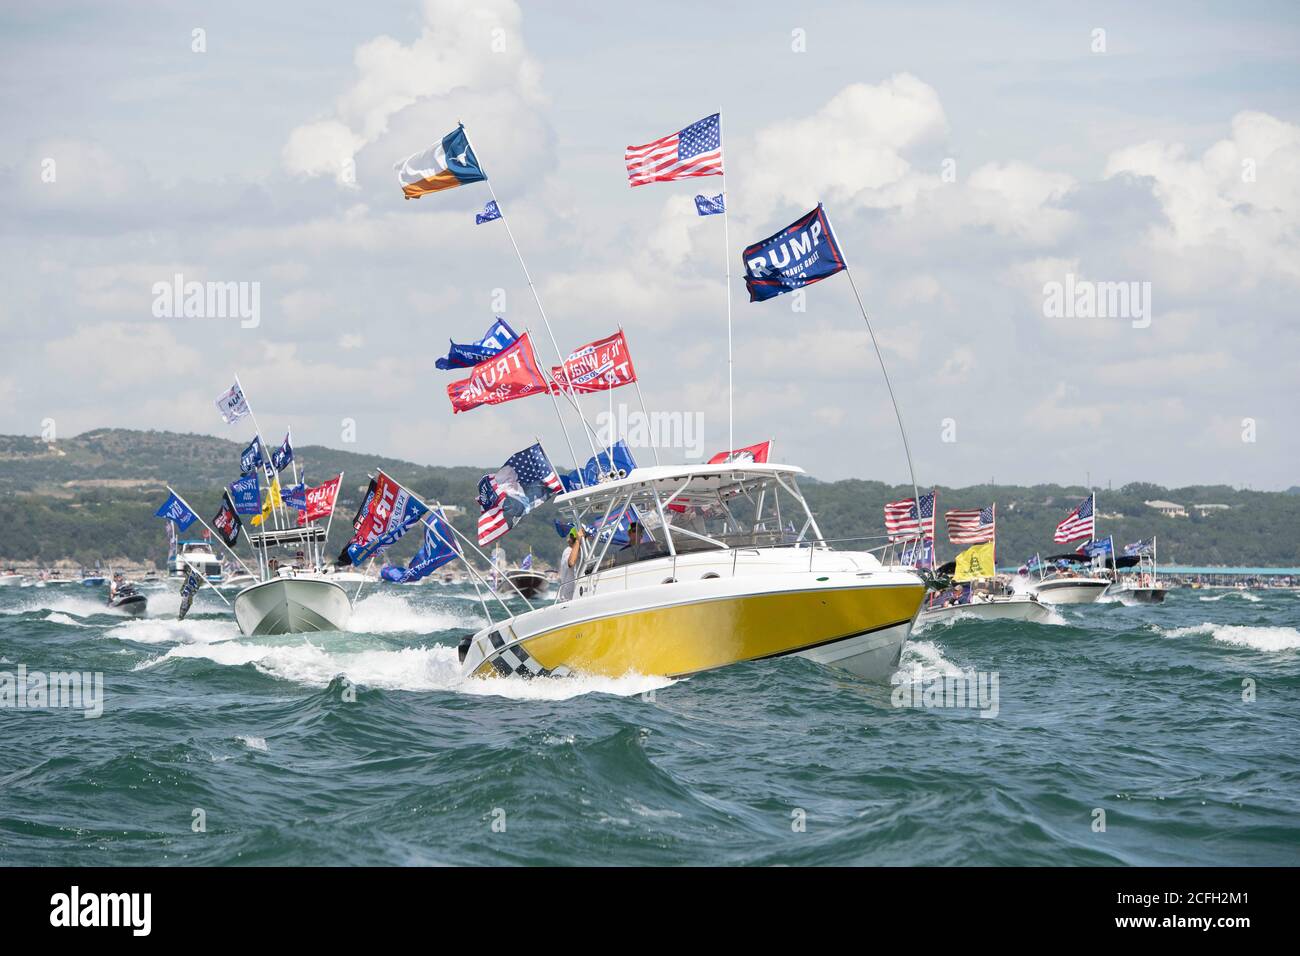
x,y
320,500
596,367
511,373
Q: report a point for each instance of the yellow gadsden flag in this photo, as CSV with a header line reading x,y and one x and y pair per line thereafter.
x,y
272,501
975,562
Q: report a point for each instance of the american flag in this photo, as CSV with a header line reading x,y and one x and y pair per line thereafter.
x,y
1079,523
970,527
526,480
694,151
901,521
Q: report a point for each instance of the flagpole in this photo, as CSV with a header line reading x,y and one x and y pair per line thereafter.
x,y
654,447
330,520
261,441
199,519
726,258
907,448
531,286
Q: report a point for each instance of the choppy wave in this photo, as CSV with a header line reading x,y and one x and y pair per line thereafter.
x,y
1244,595
1259,638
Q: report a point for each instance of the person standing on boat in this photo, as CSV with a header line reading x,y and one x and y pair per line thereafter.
x,y
569,564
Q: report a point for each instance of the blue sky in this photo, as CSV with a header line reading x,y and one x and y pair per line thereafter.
x,y
1122,165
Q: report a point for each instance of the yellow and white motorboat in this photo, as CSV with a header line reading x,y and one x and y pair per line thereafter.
x,y
730,566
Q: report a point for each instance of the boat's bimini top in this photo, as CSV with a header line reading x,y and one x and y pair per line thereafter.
x,y
666,479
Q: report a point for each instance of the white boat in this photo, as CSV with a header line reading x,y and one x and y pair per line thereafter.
x,y
197,554
292,606
711,587
988,607
297,601
529,583
11,579
1141,586
1068,588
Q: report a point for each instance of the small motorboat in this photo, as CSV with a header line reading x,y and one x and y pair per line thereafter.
x,y
10,578
527,582
987,607
292,600
126,597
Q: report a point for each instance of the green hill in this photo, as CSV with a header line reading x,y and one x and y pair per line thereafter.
x,y
92,497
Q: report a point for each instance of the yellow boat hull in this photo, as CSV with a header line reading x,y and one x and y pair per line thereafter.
x,y
681,639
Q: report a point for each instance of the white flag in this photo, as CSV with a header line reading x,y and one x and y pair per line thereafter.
x,y
232,405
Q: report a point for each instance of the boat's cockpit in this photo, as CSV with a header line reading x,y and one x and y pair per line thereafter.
x,y
667,511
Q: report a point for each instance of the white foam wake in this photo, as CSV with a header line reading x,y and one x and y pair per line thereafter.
x,y
392,614
434,668
1241,635
929,658
1244,595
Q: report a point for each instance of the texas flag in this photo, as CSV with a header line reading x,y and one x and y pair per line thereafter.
x,y
444,165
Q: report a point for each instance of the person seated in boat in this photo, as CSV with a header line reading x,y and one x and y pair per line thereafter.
x,y
273,566
569,563
633,537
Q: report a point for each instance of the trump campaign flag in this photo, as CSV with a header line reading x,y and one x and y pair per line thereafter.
x,y
227,521
596,367
246,495
281,457
802,253
526,480
706,206
512,373
174,509
388,512
232,405
490,211
756,453
250,457
439,547
445,165
320,500
609,465
467,356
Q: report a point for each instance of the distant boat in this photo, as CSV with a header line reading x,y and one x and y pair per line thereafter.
x,y
988,607
1068,587
11,578
526,581
1141,586
197,554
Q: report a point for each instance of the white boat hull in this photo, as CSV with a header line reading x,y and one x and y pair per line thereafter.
x,y
1069,590
873,655
1127,595
999,609
10,580
292,606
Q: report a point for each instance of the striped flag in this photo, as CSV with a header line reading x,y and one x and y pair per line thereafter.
x,y
694,151
526,480
902,521
1079,523
970,527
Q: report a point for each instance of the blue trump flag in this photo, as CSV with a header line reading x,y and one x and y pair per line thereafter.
x,y
802,253
706,206
617,462
1091,549
173,509
282,457
439,547
250,458
246,495
498,337
490,211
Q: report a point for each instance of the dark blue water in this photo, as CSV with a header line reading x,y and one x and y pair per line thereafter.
x,y
1134,713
